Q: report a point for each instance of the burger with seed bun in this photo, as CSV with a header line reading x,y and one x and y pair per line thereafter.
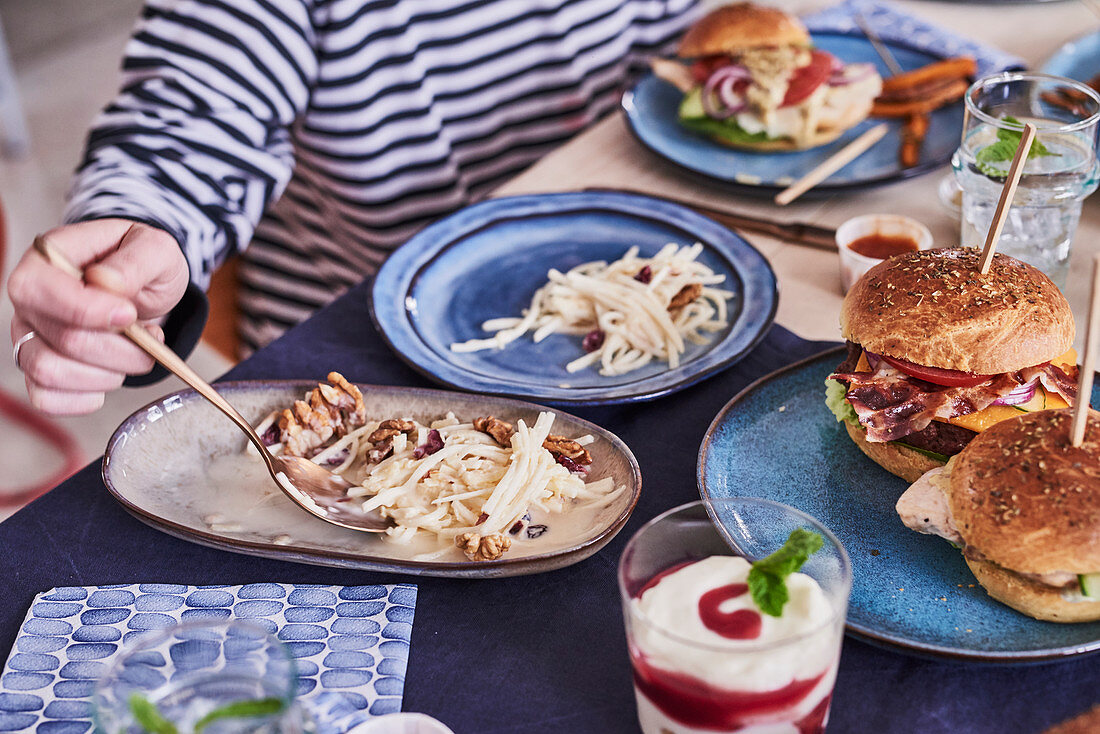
x,y
1023,504
760,84
939,353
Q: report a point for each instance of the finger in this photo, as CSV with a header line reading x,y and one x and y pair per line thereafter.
x,y
63,402
46,369
84,243
147,268
40,291
106,349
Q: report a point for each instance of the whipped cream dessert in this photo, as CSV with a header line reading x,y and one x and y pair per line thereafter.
x,y
706,659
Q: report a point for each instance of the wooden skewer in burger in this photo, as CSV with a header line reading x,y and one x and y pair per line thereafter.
x,y
1022,502
939,351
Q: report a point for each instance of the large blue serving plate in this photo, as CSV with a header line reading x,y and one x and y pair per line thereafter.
x,y
651,109
487,260
1079,59
911,592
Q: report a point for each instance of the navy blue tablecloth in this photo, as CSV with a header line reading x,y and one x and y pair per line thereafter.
x,y
542,653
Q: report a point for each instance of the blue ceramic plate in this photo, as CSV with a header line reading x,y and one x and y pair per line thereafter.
x,y
777,440
1079,59
651,109
487,260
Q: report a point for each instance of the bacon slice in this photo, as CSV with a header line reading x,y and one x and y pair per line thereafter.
x,y
892,405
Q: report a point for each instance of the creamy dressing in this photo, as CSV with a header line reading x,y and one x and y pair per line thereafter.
x,y
233,496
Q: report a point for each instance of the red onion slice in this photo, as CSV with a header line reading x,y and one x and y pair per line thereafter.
x,y
719,87
851,74
1019,395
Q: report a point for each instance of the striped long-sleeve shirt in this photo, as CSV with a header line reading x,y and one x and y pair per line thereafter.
x,y
326,132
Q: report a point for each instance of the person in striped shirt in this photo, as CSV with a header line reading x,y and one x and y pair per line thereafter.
x,y
319,133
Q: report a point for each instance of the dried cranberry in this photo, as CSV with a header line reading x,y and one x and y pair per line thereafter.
x,y
271,435
572,465
481,518
338,459
644,275
593,340
516,528
534,531
429,447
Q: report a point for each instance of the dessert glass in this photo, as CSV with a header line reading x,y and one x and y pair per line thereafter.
x,y
686,683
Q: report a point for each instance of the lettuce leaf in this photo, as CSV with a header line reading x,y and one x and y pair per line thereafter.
x,y
835,394
729,131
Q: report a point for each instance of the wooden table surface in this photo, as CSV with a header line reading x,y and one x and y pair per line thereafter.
x,y
608,155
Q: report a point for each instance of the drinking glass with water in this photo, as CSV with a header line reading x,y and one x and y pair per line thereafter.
x,y
1060,171
208,677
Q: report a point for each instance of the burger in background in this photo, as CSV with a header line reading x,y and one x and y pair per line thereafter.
x,y
1023,505
938,353
760,85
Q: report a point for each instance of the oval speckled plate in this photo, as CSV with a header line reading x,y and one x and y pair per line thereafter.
x,y
180,466
911,592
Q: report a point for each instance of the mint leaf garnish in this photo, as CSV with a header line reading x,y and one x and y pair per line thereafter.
x,y
148,716
767,578
1005,147
241,709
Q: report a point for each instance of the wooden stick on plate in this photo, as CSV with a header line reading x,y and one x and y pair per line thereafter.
x,y
1084,382
832,164
1005,202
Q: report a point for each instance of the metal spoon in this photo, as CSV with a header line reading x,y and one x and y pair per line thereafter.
x,y
310,486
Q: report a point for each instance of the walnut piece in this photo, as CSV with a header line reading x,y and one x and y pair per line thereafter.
x,y
562,446
686,295
390,428
331,411
381,450
501,431
477,548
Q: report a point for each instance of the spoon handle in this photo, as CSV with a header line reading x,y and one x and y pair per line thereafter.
x,y
153,347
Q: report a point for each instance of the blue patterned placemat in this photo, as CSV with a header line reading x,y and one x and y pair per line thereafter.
x,y
351,644
892,24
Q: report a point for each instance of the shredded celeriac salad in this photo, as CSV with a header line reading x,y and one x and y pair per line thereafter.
x,y
628,310
461,480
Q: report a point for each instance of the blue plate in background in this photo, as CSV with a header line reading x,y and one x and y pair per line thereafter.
x,y
486,261
1079,59
913,592
651,109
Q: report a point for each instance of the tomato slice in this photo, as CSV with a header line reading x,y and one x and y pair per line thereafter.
x,y
704,67
937,375
807,78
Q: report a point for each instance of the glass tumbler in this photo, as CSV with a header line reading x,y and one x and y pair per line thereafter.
x,y
702,659
214,677
1059,173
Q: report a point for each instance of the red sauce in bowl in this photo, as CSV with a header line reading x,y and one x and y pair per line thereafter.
x,y
882,246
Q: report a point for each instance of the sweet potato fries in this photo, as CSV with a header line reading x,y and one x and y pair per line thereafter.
x,y
914,95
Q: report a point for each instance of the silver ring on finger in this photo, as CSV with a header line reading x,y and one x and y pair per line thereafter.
x,y
19,345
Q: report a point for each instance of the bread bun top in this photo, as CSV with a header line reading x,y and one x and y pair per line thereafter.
x,y
1026,499
935,308
732,29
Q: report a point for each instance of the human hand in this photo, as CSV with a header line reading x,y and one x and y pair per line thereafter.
x,y
132,272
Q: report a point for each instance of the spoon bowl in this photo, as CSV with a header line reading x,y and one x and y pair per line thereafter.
x,y
309,485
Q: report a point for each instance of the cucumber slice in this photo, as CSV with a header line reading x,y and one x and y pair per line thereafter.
x,y
691,108
1090,584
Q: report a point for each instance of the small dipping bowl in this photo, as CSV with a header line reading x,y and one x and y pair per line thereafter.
x,y
853,264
